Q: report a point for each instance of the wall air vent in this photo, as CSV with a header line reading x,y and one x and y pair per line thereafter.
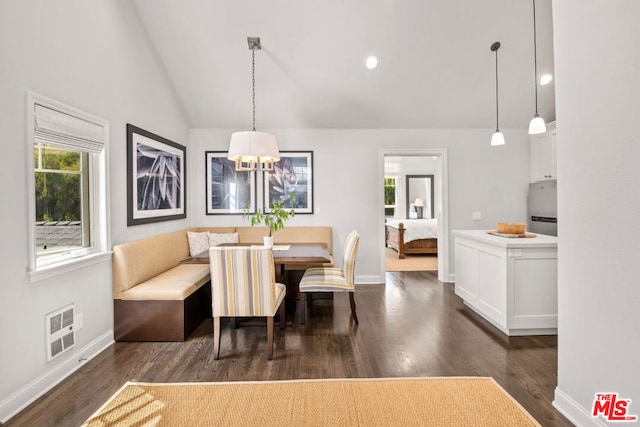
x,y
60,331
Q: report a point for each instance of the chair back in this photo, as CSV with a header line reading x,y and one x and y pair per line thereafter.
x,y
350,251
242,281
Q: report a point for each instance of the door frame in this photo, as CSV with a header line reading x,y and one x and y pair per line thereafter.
x,y
442,189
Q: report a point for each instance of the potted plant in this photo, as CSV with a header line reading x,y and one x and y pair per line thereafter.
x,y
274,219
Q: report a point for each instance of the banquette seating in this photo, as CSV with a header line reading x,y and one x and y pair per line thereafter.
x,y
156,298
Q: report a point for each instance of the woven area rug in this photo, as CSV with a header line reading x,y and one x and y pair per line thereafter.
x,y
410,262
446,401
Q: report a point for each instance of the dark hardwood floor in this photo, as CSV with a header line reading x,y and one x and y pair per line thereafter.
x,y
412,327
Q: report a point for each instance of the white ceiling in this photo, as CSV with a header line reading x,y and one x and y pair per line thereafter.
x,y
436,67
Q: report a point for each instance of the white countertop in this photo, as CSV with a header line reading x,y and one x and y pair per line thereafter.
x,y
540,241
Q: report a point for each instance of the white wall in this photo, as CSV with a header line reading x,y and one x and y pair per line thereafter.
x,y
597,63
92,55
493,180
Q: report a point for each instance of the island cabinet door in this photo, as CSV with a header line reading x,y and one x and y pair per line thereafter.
x,y
533,290
492,284
481,277
466,265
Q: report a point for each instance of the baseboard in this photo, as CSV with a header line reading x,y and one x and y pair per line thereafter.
x,y
41,385
369,279
573,411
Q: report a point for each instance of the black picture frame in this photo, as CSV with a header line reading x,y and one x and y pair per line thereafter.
x,y
293,173
228,191
156,178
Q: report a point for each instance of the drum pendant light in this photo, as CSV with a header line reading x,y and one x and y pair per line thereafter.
x,y
536,125
497,138
251,150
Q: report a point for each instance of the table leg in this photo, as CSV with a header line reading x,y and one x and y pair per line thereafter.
x,y
279,273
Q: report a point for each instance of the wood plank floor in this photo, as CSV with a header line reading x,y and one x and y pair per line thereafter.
x,y
413,326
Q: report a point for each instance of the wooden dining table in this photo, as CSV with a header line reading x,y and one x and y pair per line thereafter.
x,y
284,254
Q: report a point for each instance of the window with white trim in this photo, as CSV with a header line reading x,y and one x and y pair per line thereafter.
x,y
68,183
390,197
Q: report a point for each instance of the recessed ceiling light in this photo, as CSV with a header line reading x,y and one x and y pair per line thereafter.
x,y
545,79
372,62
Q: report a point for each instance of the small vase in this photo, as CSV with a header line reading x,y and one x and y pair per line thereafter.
x,y
268,242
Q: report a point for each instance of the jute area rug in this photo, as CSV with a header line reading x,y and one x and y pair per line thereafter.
x,y
410,262
446,401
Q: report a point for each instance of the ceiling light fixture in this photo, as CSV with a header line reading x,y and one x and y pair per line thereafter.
x,y
372,62
546,79
251,150
536,125
497,138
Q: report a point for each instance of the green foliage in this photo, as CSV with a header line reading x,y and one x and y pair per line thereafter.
x,y
274,219
58,193
389,191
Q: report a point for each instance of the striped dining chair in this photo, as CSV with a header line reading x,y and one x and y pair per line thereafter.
x,y
243,285
330,279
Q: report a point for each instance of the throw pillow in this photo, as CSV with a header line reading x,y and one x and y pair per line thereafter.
x,y
216,239
198,242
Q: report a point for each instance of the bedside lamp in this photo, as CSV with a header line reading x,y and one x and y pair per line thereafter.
x,y
419,204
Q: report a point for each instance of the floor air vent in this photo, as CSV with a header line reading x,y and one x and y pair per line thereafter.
x,y
60,331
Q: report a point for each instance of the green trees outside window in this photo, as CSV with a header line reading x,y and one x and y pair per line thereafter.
x,y
390,200
59,184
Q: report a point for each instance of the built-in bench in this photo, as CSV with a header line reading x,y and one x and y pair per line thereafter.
x,y
158,299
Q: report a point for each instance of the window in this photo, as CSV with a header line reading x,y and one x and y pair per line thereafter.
x,y
63,212
390,197
68,182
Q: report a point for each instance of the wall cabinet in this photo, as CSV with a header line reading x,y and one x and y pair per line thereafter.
x,y
543,154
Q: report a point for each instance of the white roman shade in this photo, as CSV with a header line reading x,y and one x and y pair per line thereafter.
x,y
55,127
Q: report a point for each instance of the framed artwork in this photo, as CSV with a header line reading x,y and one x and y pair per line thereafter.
x,y
420,187
156,178
292,174
229,191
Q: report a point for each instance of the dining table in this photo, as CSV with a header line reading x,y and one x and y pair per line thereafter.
x,y
284,255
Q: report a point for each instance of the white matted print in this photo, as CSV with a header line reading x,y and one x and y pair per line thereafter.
x,y
292,174
156,180
229,191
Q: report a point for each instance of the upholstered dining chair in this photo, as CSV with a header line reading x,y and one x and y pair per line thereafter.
x,y
331,279
243,285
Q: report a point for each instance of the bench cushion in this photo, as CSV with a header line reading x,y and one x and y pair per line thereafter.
x,y
140,260
174,284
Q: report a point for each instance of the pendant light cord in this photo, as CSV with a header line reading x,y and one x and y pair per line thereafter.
x,y
535,56
497,128
253,85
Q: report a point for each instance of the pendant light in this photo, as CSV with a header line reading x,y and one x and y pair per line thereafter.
x,y
497,138
536,125
251,150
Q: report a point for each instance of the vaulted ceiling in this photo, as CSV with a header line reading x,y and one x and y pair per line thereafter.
x,y
436,67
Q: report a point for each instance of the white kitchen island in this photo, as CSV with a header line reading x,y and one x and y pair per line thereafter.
x,y
511,282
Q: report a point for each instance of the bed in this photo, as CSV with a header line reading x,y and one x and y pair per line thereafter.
x,y
412,236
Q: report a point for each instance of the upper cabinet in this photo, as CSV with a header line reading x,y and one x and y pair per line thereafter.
x,y
543,154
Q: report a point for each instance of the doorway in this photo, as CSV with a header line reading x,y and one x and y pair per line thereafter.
x,y
401,165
